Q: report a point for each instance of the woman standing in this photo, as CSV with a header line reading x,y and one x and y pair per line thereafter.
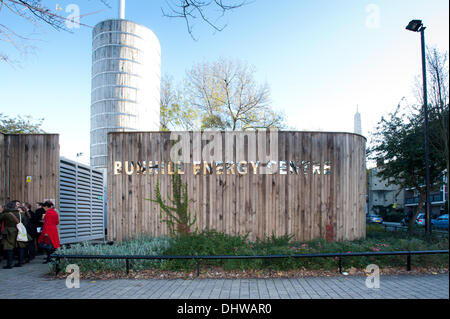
x,y
11,216
49,238
30,252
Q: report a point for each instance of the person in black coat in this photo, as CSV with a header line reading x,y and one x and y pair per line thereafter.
x,y
30,252
37,215
37,220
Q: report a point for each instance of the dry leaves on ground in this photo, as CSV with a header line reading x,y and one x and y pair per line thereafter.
x,y
218,273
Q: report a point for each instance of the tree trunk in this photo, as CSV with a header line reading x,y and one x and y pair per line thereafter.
x,y
412,221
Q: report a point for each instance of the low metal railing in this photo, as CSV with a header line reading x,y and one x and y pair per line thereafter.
x,y
198,258
440,232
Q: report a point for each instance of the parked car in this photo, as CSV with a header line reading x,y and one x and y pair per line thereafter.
x,y
440,222
370,218
420,220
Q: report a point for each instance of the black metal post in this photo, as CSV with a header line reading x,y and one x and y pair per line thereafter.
x,y
427,154
128,265
57,266
198,268
340,264
408,262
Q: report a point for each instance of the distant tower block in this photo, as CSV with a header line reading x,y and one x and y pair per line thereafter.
x,y
357,123
126,72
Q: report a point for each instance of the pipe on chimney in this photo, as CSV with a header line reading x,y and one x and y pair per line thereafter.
x,y
121,9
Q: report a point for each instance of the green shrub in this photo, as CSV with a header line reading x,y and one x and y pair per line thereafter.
x,y
389,213
178,217
393,216
142,245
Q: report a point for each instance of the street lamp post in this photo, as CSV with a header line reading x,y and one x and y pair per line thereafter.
x,y
417,26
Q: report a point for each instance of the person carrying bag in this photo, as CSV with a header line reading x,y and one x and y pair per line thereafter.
x,y
14,234
22,234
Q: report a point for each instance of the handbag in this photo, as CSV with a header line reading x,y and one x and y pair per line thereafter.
x,y
22,231
45,246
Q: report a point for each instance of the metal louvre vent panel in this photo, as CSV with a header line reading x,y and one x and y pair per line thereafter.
x,y
81,202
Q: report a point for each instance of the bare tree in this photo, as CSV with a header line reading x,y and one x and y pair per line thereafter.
x,y
209,11
35,13
438,73
227,96
38,14
438,98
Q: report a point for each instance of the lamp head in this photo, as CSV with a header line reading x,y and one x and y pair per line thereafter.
x,y
414,25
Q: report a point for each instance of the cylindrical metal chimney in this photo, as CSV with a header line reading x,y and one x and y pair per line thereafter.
x,y
126,71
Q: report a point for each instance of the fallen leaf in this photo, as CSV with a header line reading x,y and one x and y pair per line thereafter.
x,y
352,271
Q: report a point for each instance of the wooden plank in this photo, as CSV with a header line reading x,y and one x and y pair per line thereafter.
x,y
15,169
309,196
111,186
236,205
295,189
259,196
355,188
315,186
301,186
324,187
340,186
248,229
331,207
363,188
281,188
34,164
122,221
42,171
347,185
3,173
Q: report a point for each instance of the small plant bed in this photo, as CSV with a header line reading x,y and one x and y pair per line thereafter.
x,y
215,243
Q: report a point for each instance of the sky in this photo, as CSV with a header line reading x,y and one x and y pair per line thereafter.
x,y
321,59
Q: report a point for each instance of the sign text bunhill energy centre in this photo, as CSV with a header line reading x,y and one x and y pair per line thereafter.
x,y
222,168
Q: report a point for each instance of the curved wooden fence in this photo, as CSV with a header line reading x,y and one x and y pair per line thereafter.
x,y
317,185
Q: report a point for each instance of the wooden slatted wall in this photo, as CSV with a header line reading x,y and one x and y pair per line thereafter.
x,y
304,205
35,155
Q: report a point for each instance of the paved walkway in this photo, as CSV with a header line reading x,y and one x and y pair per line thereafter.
x,y
29,282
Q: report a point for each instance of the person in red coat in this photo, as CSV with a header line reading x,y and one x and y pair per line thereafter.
x,y
49,238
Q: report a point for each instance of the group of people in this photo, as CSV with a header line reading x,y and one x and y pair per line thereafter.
x,y
40,227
